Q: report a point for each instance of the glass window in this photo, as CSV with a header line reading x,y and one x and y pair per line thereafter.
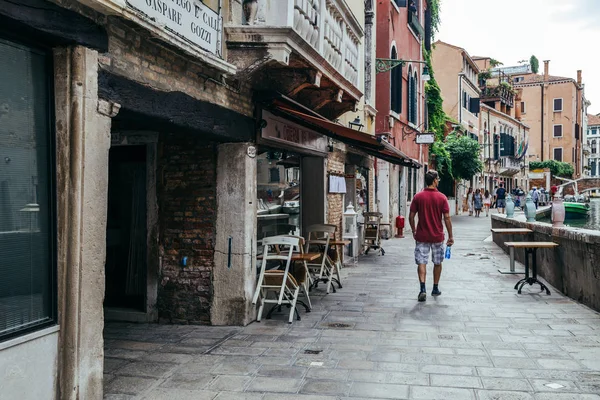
x,y
594,131
558,154
26,228
558,105
558,130
396,86
278,192
594,147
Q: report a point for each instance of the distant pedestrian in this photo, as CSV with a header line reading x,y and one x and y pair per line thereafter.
x,y
487,202
501,198
535,196
494,196
477,202
470,201
430,205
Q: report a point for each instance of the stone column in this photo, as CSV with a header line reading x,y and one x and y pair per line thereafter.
x,y
82,141
234,274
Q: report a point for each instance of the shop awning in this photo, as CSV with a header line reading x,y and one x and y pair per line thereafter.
x,y
376,147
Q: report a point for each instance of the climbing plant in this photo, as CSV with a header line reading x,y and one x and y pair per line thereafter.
x,y
434,6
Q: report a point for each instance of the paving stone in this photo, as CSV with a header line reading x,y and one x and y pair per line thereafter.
x,y
147,369
229,383
278,385
459,381
559,364
239,396
502,395
379,391
325,387
407,379
234,369
128,385
328,374
282,371
180,394
188,381
448,370
566,396
113,364
367,376
499,372
438,393
539,385
506,384
168,358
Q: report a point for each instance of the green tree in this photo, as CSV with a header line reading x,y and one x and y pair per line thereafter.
x,y
495,63
535,64
464,153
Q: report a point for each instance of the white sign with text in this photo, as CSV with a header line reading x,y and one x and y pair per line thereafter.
x,y
189,19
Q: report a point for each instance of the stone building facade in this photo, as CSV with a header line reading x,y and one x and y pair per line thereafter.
x,y
144,182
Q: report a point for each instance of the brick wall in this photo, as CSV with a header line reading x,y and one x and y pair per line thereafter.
x,y
187,205
335,201
134,56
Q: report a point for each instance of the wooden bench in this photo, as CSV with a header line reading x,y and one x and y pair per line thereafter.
x,y
511,231
530,248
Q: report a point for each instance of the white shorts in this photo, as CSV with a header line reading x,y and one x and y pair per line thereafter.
x,y
422,253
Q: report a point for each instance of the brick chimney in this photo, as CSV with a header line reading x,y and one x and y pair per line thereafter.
x,y
546,70
579,77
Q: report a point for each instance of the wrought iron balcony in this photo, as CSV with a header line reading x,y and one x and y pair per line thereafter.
x,y
314,38
415,24
498,93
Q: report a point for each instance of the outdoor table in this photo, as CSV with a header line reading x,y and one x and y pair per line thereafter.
x,y
531,248
511,250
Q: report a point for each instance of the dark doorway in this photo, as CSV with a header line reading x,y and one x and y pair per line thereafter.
x,y
126,242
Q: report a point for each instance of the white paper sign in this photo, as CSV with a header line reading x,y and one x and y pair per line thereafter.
x,y
187,18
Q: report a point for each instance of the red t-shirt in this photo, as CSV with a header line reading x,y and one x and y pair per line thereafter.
x,y
430,205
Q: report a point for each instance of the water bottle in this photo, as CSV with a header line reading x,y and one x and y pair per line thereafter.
x,y
448,251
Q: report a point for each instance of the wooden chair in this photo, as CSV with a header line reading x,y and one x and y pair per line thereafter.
x,y
281,283
318,238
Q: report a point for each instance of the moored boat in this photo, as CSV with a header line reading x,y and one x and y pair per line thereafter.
x,y
576,210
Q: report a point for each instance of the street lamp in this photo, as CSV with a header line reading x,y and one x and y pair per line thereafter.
x,y
387,64
356,123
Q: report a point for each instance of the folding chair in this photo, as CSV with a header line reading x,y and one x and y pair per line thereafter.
x,y
281,283
318,237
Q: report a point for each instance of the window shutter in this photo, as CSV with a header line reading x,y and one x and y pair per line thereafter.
x,y
428,29
474,107
558,105
558,130
577,129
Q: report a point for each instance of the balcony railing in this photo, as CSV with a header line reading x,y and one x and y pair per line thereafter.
x,y
415,24
498,93
332,31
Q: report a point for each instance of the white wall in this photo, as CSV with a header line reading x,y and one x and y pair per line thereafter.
x,y
28,366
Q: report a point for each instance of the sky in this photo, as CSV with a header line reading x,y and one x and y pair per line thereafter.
x,y
566,32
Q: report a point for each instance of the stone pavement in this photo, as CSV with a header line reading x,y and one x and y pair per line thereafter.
x,y
373,340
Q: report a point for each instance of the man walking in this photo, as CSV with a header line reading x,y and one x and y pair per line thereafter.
x,y
430,205
501,198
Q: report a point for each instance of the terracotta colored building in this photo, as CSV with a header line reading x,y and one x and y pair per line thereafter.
x,y
400,101
553,106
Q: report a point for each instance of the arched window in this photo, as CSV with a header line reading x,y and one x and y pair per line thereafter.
x,y
414,117
411,97
396,85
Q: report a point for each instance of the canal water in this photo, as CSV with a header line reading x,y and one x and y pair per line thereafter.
x,y
592,221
